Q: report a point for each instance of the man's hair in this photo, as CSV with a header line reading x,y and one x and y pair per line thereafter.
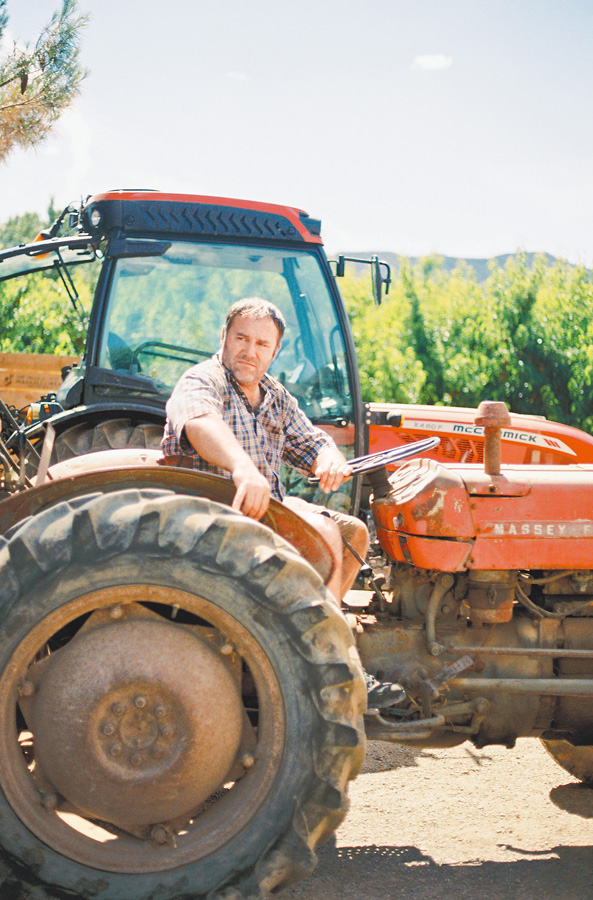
x,y
256,308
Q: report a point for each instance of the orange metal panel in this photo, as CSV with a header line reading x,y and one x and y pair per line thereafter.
x,y
528,439
426,553
529,517
427,499
549,527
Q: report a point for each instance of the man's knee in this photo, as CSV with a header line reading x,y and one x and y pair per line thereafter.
x,y
354,532
327,528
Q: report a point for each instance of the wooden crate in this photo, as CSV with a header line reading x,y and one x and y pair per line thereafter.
x,y
25,377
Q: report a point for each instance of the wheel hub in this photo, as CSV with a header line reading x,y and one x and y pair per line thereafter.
x,y
135,722
137,731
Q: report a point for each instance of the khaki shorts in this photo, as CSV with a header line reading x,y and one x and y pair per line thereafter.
x,y
348,525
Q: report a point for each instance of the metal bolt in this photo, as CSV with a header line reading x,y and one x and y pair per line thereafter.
x,y
227,648
159,834
136,759
118,708
160,712
50,801
140,702
109,728
493,415
116,612
115,749
247,760
27,688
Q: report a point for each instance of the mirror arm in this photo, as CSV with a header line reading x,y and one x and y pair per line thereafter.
x,y
377,277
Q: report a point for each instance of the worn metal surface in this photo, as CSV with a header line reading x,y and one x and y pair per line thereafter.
x,y
113,470
136,721
453,518
513,673
576,760
493,416
550,687
58,814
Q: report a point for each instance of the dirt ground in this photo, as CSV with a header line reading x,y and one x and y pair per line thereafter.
x,y
459,824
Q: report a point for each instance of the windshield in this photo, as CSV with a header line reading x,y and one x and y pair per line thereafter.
x,y
166,312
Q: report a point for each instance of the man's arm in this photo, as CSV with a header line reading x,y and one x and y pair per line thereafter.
x,y
331,468
212,438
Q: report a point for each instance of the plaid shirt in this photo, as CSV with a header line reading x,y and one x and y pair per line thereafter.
x,y
277,431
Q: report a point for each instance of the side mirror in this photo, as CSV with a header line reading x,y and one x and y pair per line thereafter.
x,y
378,280
377,277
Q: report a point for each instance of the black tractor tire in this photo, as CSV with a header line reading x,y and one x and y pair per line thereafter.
x,y
86,569
111,434
578,761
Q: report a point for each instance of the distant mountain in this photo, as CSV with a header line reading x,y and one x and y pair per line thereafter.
x,y
480,266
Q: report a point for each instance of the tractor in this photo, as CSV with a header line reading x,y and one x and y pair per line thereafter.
x,y
182,702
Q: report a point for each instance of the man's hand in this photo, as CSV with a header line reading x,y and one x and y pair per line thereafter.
x,y
253,490
216,443
331,468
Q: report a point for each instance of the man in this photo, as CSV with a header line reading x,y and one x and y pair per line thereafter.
x,y
228,416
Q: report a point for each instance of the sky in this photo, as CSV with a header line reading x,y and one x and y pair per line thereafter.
x,y
458,127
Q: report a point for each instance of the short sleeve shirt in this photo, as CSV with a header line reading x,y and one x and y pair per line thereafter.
x,y
277,431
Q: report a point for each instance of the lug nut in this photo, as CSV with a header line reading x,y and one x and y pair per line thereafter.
x,y
50,801
116,612
27,688
136,759
247,760
118,708
115,749
140,702
227,648
109,728
160,712
159,834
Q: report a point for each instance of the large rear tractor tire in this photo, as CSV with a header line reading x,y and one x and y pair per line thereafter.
x,y
180,704
578,761
112,434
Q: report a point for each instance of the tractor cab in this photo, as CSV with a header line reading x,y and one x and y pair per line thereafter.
x,y
171,267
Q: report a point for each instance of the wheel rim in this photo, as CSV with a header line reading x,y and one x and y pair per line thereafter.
x,y
578,761
152,811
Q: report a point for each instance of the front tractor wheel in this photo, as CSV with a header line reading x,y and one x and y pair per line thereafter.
x,y
180,703
577,761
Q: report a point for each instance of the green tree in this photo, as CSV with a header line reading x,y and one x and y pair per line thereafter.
x,y
524,336
37,318
38,83
389,369
36,315
22,229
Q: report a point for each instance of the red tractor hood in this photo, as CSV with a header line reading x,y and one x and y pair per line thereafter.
x,y
453,518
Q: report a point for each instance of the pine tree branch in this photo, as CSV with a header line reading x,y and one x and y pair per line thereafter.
x,y
37,85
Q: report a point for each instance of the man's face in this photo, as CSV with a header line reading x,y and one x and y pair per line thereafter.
x,y
248,348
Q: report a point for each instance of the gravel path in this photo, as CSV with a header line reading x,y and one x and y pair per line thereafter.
x,y
459,824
